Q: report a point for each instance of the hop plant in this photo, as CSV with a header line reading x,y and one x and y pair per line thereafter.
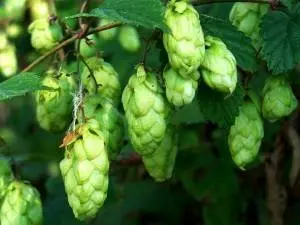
x,y
44,35
245,135
39,9
85,171
146,111
180,90
8,60
6,176
109,119
185,42
219,66
14,30
3,40
54,106
104,80
15,9
21,205
88,47
160,164
247,17
129,38
107,35
278,98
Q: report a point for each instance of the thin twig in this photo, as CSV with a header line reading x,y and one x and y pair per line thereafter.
x,y
148,46
67,42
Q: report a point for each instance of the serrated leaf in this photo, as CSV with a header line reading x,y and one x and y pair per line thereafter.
x,y
19,85
218,108
146,13
281,35
236,41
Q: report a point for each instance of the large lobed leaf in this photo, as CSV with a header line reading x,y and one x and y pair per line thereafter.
x,y
281,34
19,85
236,41
146,13
218,108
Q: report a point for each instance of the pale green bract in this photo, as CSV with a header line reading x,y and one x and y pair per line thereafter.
x,y
110,122
180,90
85,171
109,34
88,48
161,163
146,111
39,9
278,98
104,81
245,135
54,106
185,41
21,205
219,66
8,60
129,38
6,176
247,18
44,34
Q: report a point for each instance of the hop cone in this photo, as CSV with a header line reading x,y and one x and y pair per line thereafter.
x,y
15,9
247,17
44,35
85,171
185,43
219,66
129,38
278,98
6,176
89,48
180,91
146,111
21,205
246,135
110,122
39,9
160,164
54,107
107,80
107,35
8,60
14,30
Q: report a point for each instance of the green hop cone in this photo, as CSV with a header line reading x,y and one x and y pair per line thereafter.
x,y
39,9
219,66
245,135
110,122
146,111
247,18
15,9
104,80
185,42
44,34
21,205
160,164
88,48
54,107
8,60
6,176
3,40
129,38
109,34
14,30
278,98
85,171
179,90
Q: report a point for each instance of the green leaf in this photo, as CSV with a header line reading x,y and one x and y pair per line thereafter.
x,y
281,34
218,108
236,41
19,85
287,3
146,13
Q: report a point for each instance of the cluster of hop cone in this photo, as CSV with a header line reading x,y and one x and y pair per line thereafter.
x,y
149,103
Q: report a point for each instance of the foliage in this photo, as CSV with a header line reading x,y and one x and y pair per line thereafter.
x,y
182,112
